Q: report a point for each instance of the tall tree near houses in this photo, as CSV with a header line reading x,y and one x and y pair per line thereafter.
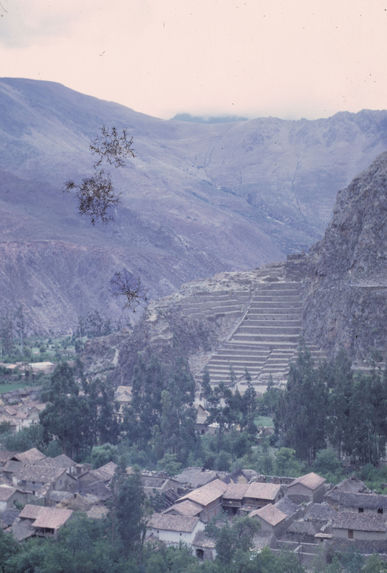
x,y
128,511
7,337
301,413
20,326
338,376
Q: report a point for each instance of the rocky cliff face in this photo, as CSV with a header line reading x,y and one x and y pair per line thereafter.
x,y
198,199
346,282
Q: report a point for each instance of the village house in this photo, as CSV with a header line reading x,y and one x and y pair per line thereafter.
x,y
49,520
187,507
250,496
174,529
358,502
319,514
10,497
301,531
271,519
204,502
203,547
159,483
232,499
309,487
259,494
363,531
195,477
286,505
31,456
94,482
33,477
351,485
41,521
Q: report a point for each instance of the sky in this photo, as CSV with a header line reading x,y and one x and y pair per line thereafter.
x,y
284,58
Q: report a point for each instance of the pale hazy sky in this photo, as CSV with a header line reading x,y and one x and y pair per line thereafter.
x,y
287,58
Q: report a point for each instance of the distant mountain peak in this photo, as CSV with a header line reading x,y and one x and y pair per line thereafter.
x,y
208,118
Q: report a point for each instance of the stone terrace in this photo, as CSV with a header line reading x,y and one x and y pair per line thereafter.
x,y
267,332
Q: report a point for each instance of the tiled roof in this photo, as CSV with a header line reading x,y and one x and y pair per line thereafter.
x,y
170,522
6,492
30,511
286,505
359,521
235,491
40,473
152,481
186,507
320,512
106,472
63,461
195,476
207,493
52,517
269,513
262,490
311,481
356,500
30,456
351,485
302,528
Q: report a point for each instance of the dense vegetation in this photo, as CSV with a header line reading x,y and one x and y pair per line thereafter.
x,y
328,418
332,404
18,345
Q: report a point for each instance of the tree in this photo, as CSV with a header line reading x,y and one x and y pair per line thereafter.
x,y
286,462
128,511
8,547
7,338
125,284
300,417
95,194
20,326
78,420
338,376
233,543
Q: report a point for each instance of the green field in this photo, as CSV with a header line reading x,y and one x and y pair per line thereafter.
x,y
264,421
12,386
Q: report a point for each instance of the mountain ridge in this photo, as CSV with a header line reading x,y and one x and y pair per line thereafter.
x,y
198,198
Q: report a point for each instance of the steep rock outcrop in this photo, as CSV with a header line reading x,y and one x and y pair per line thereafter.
x,y
346,280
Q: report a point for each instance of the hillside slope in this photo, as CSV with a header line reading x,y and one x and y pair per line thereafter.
x,y
197,199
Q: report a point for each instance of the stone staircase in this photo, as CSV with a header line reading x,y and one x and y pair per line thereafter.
x,y
265,340
226,304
